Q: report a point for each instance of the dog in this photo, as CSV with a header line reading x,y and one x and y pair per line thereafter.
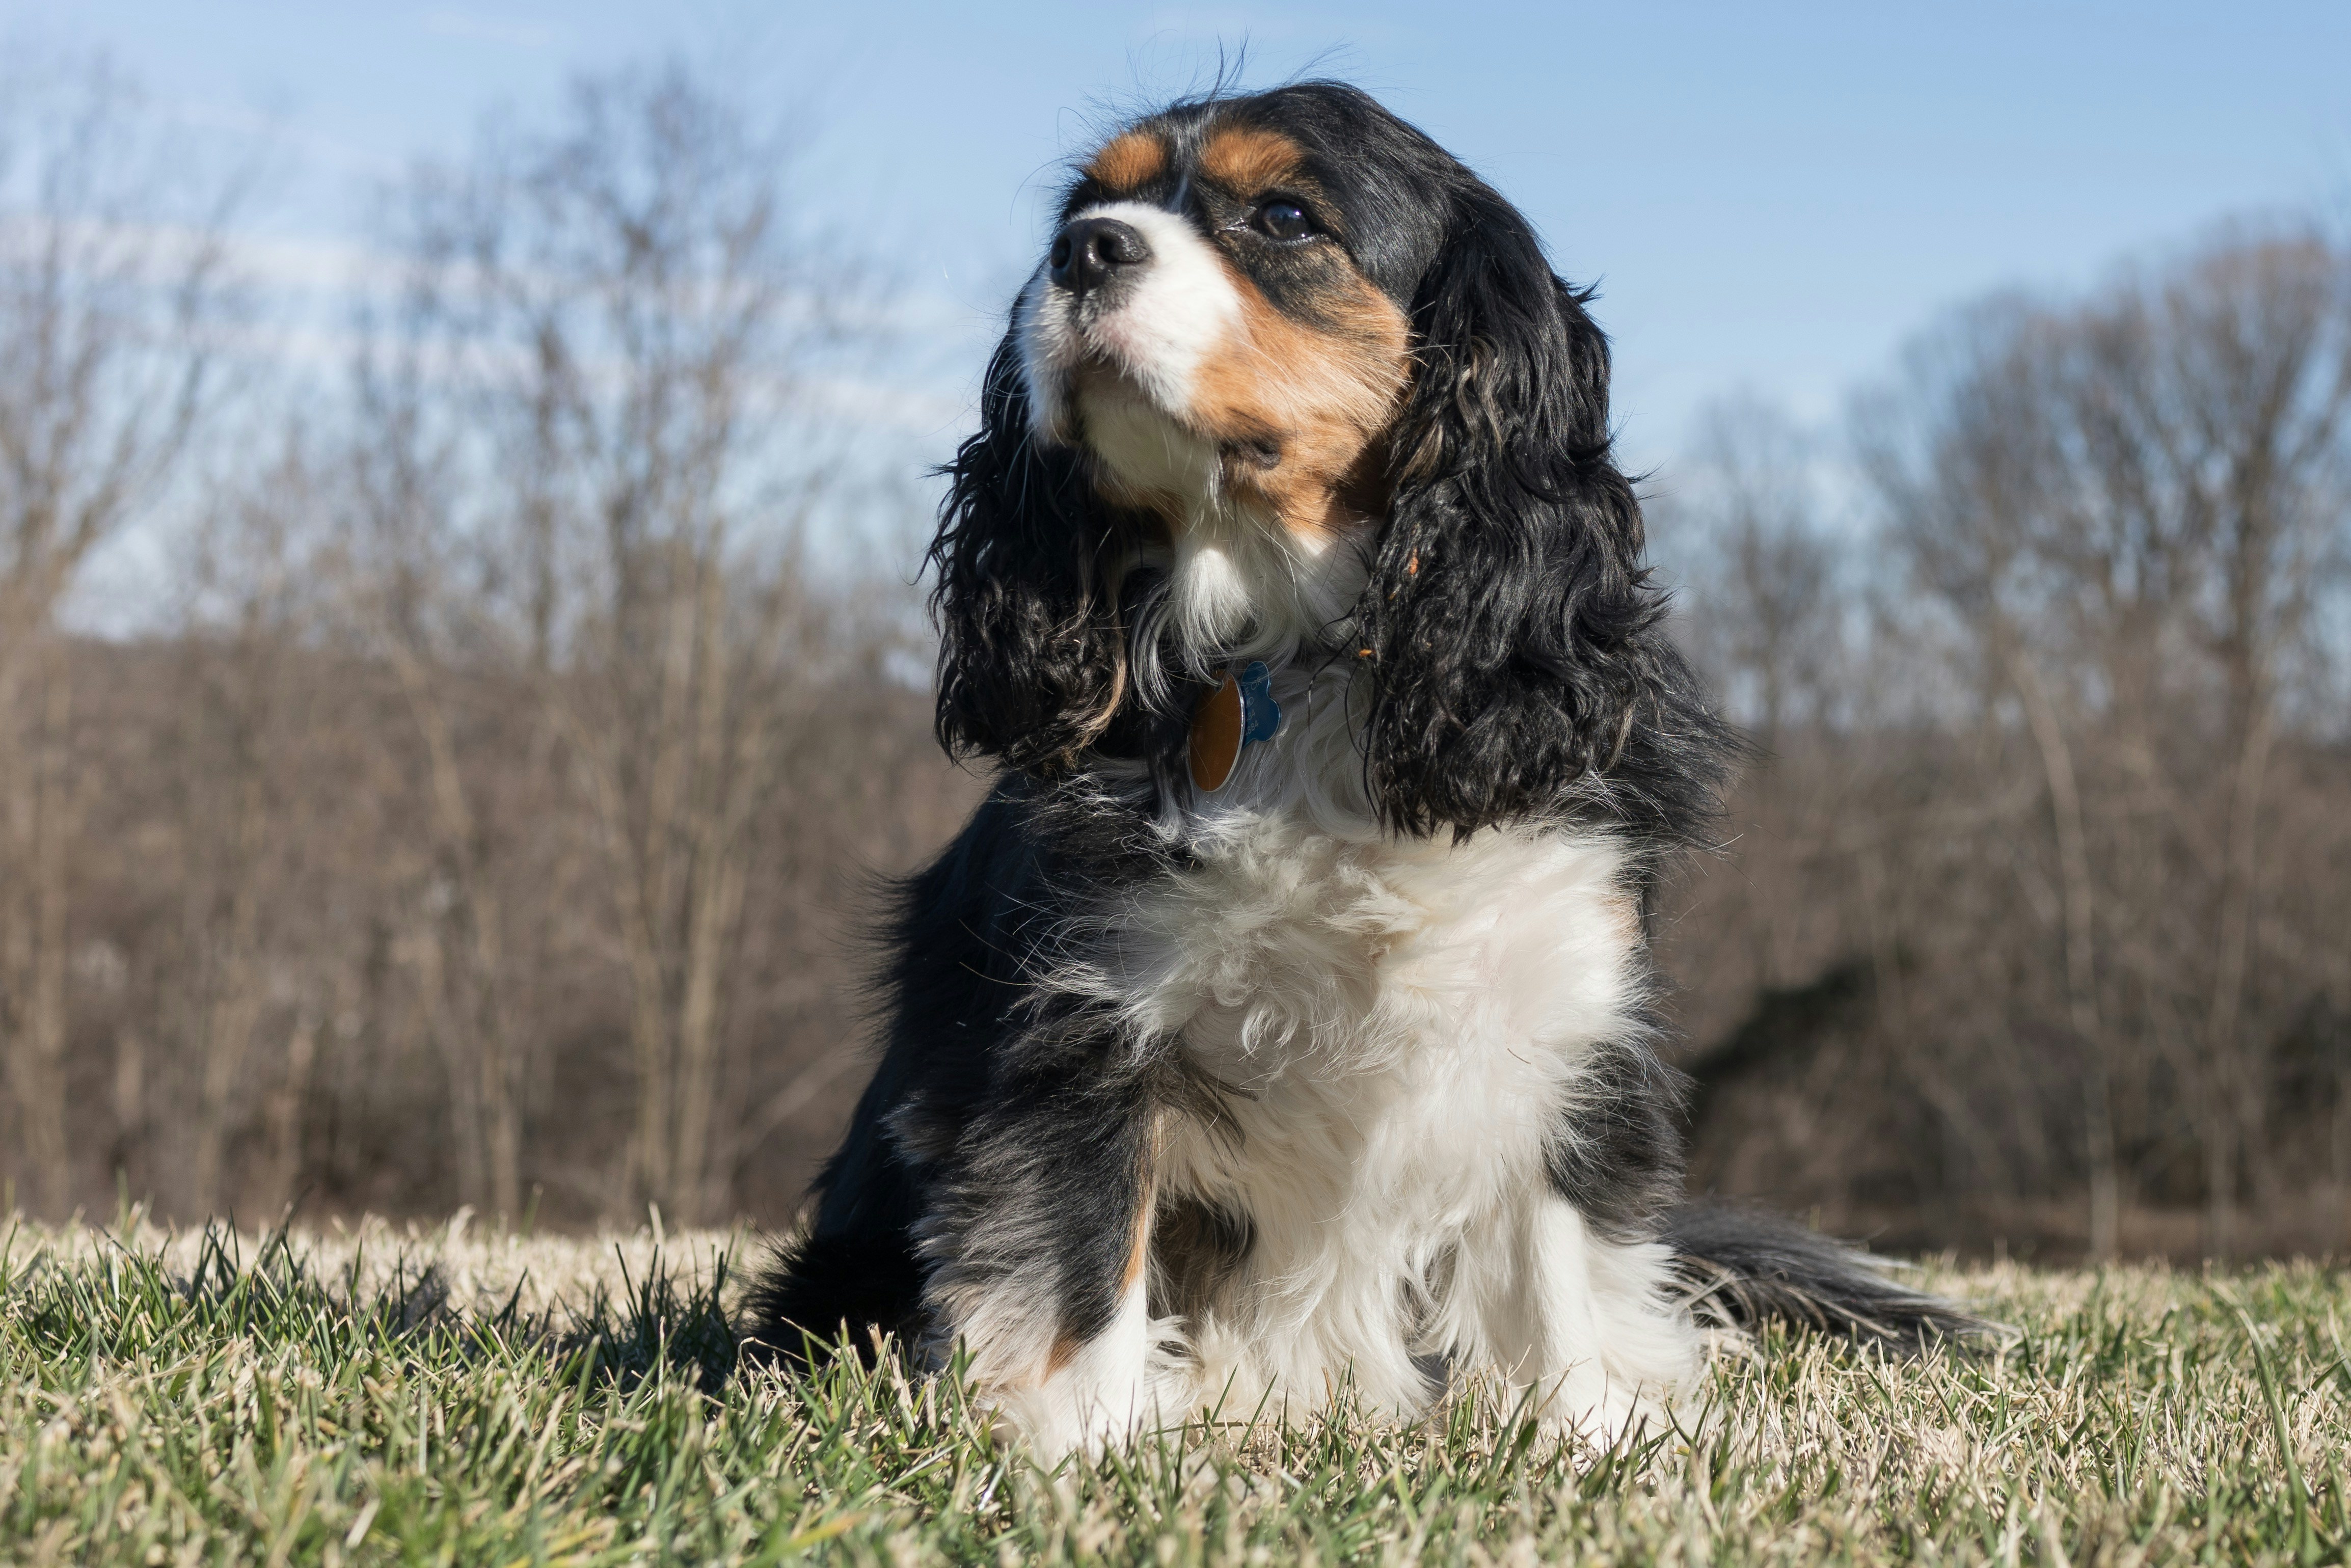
x,y
1284,1018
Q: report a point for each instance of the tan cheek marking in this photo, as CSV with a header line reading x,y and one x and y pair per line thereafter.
x,y
1127,162
1246,159
1326,393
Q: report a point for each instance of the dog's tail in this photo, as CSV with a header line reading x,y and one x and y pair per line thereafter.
x,y
1745,1267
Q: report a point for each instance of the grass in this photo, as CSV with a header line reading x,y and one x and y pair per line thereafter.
x,y
386,1395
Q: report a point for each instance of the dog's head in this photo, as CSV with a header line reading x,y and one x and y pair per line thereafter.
x,y
1291,381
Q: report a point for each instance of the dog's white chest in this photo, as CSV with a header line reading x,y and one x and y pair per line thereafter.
x,y
1290,954
1394,1028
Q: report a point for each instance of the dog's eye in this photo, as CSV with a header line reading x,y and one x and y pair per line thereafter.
x,y
1284,220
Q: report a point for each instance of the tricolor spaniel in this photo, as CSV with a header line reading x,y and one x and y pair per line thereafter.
x,y
1284,1018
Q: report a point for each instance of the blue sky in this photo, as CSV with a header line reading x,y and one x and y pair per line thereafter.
x,y
1772,196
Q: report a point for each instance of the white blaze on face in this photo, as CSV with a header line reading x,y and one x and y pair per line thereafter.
x,y
1163,323
1128,370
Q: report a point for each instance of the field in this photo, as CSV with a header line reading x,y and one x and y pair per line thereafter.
x,y
383,1395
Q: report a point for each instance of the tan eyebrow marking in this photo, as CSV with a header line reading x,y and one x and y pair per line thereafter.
x,y
1127,161
1246,159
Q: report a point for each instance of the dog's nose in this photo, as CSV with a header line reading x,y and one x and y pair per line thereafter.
x,y
1090,251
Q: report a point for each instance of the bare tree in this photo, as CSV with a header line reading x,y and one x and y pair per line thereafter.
x,y
2223,401
487,821
113,287
1968,500
632,318
240,718
1765,604
2114,514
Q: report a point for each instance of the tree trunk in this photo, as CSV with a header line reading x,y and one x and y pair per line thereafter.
x,y
2237,1111
33,929
286,1108
459,1067
232,998
2081,969
468,998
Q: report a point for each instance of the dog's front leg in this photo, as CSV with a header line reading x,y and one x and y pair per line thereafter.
x,y
1592,1326
1036,1247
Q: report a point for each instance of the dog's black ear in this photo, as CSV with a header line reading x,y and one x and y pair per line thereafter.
x,y
1032,653
1520,663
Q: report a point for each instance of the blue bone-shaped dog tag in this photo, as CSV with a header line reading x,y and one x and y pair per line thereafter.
x,y
1260,714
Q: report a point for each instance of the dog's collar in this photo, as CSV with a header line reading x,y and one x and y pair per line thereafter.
x,y
1238,713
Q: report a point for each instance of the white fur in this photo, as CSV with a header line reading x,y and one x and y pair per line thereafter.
x,y
1174,314
1239,582
1398,1024
1110,1390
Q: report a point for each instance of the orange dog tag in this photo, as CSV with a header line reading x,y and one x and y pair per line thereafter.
x,y
1240,711
1215,748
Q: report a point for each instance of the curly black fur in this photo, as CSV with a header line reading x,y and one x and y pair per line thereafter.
x,y
1524,668
1027,567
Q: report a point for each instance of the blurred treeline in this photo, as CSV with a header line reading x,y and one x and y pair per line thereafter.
x,y
487,815
2036,924
485,819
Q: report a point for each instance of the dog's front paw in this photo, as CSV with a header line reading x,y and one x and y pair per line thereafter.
x,y
1066,1414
